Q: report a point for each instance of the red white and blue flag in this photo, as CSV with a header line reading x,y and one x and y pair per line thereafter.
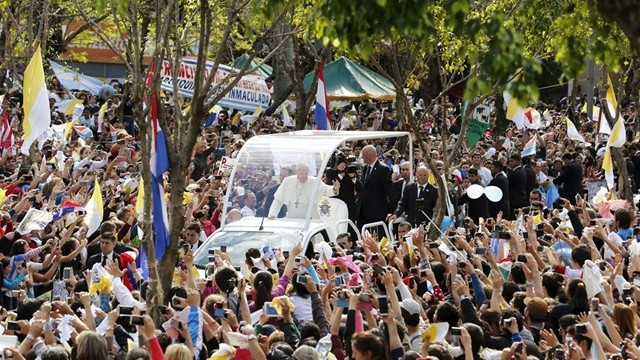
x,y
83,131
6,137
67,208
159,165
322,120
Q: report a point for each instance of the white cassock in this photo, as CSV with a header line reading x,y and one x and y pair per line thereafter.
x,y
296,196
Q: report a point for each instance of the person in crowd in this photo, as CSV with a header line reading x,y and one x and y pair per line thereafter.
x,y
418,200
377,192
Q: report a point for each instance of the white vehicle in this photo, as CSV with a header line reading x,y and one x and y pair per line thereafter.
x,y
267,156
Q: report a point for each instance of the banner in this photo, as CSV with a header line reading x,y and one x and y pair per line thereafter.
x,y
34,220
249,93
475,130
226,164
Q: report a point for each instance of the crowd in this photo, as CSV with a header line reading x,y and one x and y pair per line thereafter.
x,y
545,270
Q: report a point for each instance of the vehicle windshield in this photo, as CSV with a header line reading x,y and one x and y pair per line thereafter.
x,y
238,242
265,161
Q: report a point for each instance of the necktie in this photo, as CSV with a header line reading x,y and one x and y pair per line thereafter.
x,y
421,189
104,260
367,172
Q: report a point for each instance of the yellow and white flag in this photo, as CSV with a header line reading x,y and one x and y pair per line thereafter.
x,y
572,131
617,139
618,134
515,112
612,104
68,106
101,113
37,115
140,199
607,166
94,209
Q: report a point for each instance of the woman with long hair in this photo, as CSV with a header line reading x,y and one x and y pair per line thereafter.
x,y
263,289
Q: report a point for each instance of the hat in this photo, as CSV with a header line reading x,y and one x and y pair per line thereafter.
x,y
411,306
601,152
305,352
537,308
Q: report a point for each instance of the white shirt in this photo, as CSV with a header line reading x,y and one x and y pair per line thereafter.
x,y
485,175
247,212
297,196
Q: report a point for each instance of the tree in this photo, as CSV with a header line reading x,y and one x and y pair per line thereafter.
x,y
170,29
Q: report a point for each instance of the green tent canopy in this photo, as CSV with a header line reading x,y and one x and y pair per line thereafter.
x,y
348,81
265,70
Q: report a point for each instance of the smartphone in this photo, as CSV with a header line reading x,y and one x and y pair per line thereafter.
x,y
337,281
581,329
285,254
126,310
506,323
378,270
559,354
174,323
301,279
501,235
520,348
298,259
525,235
163,309
626,291
212,251
383,307
636,278
137,320
316,255
13,326
540,248
67,273
455,331
223,248
595,303
211,259
219,313
522,258
269,310
413,270
480,251
374,257
424,264
412,282
343,300
592,222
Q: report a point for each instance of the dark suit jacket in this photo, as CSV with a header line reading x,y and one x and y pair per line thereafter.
x,y
408,204
376,194
349,191
570,181
478,208
517,188
397,193
97,258
503,205
531,180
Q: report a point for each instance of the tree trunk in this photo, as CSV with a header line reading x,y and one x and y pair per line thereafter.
x,y
282,84
501,123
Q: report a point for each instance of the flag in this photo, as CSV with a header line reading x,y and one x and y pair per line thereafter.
x,y
73,80
572,132
141,261
505,269
113,132
618,135
322,120
612,104
83,131
530,148
67,208
94,208
101,113
6,136
67,107
252,117
515,112
159,165
436,332
37,115
532,119
604,127
212,120
235,120
607,166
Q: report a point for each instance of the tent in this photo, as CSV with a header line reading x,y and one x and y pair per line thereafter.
x,y
348,81
265,70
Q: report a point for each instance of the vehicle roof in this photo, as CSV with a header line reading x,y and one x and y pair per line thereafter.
x,y
275,225
339,136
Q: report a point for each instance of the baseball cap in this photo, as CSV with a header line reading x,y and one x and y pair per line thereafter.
x,y
410,306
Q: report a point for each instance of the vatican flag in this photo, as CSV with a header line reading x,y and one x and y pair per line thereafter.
x,y
37,115
618,134
612,104
572,132
94,209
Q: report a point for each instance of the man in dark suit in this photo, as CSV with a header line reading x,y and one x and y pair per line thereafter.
x,y
527,164
569,181
476,208
400,184
418,197
107,255
500,180
377,189
518,196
